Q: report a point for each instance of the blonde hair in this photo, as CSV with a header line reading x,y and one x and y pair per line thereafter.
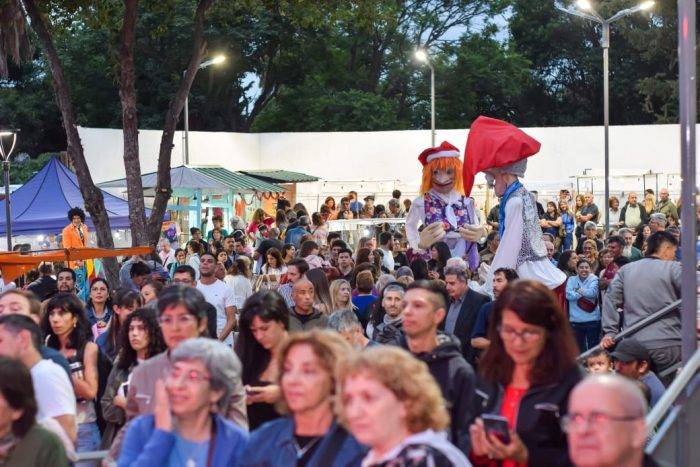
x,y
335,288
330,349
594,248
442,163
405,376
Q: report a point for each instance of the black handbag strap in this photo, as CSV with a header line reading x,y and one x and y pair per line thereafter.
x,y
327,456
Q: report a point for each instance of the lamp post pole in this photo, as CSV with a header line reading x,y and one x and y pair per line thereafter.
x,y
187,127
586,10
6,153
422,56
432,104
212,61
688,117
606,118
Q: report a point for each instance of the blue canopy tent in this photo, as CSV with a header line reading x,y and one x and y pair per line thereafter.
x,y
41,205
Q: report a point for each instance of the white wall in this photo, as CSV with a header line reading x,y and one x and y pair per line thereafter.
x,y
378,160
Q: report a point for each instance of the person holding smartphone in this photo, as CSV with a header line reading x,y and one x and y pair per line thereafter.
x,y
263,327
527,373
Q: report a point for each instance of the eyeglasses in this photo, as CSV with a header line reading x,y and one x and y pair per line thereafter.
x,y
576,421
175,376
510,334
182,320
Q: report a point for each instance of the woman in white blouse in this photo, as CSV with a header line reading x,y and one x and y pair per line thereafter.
x,y
274,267
237,279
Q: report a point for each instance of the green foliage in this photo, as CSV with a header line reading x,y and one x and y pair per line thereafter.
x,y
302,65
21,172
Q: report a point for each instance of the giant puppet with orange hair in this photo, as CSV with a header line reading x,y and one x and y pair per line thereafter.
x,y
442,208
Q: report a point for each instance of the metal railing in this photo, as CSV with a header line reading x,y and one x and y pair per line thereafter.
x,y
638,325
675,420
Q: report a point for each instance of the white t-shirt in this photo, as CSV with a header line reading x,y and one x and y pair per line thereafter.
x,y
53,390
221,296
241,287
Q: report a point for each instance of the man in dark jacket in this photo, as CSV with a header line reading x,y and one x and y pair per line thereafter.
x,y
303,316
425,305
463,309
45,286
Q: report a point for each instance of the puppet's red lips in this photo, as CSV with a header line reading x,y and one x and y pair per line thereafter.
x,y
448,183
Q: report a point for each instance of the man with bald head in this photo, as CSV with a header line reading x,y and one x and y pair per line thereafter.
x,y
632,213
303,316
665,206
605,423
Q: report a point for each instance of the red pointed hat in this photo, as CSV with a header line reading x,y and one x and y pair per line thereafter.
x,y
494,143
444,150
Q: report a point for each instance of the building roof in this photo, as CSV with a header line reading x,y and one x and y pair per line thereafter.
x,y
201,178
239,182
281,176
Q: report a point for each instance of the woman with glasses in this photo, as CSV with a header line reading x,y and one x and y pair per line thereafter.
x,y
182,314
528,371
309,435
186,427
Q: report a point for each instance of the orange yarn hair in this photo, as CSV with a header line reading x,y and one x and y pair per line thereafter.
x,y
442,163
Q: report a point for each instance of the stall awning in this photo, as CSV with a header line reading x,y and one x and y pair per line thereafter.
x,y
181,177
204,178
239,182
280,176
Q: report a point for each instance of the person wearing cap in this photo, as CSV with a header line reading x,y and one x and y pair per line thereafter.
x,y
500,150
443,208
631,360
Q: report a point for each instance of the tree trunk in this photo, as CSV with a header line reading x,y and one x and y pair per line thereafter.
x,y
127,95
177,103
92,196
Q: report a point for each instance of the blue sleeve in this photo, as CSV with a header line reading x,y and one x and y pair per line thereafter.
x,y
590,288
141,450
481,323
571,286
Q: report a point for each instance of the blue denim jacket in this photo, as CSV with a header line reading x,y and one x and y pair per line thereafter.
x,y
273,445
144,445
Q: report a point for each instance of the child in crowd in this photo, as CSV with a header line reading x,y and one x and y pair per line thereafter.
x,y
599,361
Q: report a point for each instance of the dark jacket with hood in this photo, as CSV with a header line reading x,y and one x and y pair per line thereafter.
x,y
539,416
456,380
298,322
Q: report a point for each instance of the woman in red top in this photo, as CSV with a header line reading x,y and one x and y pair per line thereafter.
x,y
528,371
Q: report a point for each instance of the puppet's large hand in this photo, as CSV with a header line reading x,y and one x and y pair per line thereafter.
x,y
472,233
430,235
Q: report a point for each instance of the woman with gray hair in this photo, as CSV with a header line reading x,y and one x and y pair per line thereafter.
x,y
186,427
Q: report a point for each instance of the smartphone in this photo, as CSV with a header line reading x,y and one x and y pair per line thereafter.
x,y
497,426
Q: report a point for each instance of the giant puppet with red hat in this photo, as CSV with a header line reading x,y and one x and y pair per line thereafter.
x,y
442,208
500,150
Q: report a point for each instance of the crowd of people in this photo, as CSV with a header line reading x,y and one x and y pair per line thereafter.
x,y
281,344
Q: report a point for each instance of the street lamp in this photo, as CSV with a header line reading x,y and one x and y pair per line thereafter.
x,y
584,9
423,57
5,153
207,63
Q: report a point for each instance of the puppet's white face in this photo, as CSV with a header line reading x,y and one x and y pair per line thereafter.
x,y
443,181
